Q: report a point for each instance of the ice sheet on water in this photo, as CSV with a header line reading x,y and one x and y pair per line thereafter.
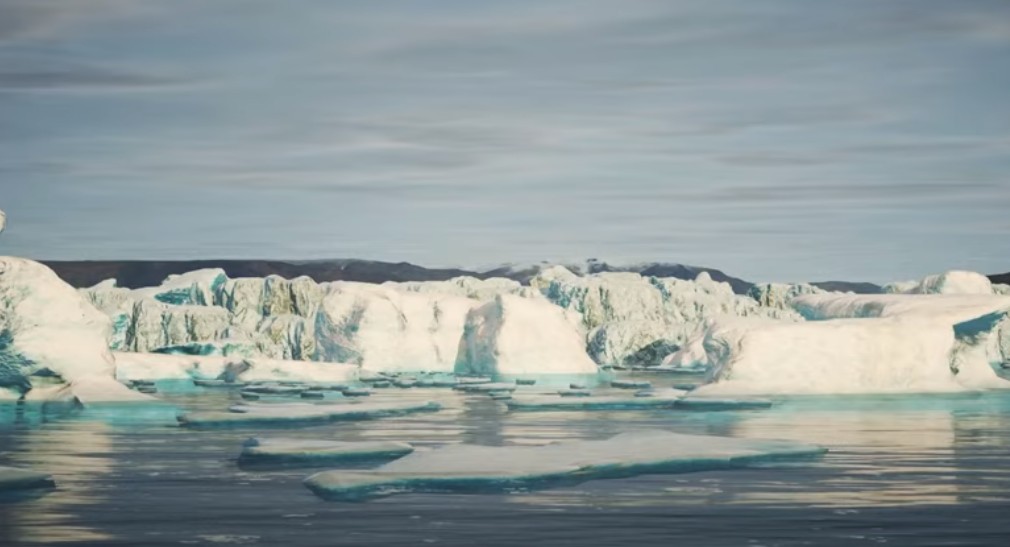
x,y
479,468
314,451
486,388
723,403
291,414
659,399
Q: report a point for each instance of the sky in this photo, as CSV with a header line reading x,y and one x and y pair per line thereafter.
x,y
776,140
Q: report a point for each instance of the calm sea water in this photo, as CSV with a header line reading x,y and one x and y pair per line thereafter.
x,y
908,470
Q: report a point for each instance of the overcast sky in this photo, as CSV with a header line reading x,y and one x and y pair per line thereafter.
x,y
789,140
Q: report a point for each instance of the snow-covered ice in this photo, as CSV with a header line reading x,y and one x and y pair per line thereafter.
x,y
317,451
478,468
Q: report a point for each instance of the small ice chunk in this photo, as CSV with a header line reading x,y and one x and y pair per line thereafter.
x,y
576,385
486,388
274,389
13,478
314,451
575,393
356,392
664,399
455,468
473,380
630,384
216,383
526,381
313,394
301,413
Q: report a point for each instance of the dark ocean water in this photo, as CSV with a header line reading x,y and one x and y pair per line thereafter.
x,y
902,470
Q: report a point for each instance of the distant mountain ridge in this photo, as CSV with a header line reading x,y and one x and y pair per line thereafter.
x,y
148,273
1003,278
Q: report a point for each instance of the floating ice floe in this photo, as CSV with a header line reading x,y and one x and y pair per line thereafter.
x,y
658,399
723,403
455,468
630,384
486,388
315,451
13,478
300,413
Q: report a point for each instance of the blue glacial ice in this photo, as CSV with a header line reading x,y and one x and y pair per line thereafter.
x,y
470,468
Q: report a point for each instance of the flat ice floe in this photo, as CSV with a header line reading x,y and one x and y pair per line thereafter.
x,y
485,468
660,399
300,414
13,478
315,451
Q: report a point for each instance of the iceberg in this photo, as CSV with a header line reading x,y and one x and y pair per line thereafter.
x,y
52,340
314,452
485,468
383,329
514,336
300,414
952,282
13,478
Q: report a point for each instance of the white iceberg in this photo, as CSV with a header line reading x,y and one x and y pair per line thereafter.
x,y
52,341
952,282
512,336
383,329
479,468
316,451
301,414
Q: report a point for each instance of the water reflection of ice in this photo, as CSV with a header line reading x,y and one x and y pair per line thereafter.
x,y
899,451
79,455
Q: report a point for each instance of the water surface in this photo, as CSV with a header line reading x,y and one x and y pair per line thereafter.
x,y
902,470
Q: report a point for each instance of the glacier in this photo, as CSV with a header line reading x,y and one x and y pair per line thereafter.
x,y
465,468
943,333
621,318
